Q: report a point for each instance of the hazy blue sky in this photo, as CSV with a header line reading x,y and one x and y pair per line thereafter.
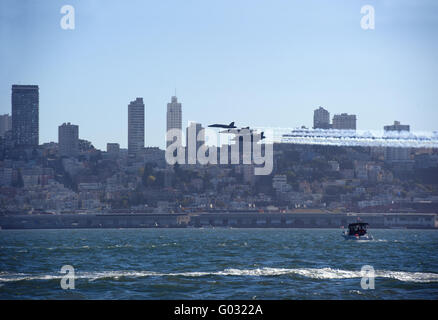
x,y
259,63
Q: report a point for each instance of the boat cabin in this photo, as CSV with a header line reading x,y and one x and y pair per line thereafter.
x,y
359,228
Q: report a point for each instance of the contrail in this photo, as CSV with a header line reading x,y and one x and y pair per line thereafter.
x,y
362,138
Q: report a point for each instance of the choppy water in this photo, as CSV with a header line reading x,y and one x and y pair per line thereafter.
x,y
217,264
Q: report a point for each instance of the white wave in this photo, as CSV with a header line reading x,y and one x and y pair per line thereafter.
x,y
119,246
356,292
313,273
412,276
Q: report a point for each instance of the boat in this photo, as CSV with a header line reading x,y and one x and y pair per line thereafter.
x,y
357,231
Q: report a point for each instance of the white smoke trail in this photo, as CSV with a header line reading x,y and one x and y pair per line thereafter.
x,y
363,138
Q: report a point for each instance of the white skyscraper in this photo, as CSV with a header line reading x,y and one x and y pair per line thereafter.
x,y
135,127
174,116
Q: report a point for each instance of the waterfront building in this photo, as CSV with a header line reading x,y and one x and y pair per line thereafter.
x,y
279,183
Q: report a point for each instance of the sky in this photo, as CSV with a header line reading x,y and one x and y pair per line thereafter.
x,y
256,62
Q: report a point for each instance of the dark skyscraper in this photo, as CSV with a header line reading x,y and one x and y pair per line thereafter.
x,y
68,139
135,127
25,110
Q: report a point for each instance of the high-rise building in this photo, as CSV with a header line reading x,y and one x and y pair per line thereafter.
x,y
5,124
25,114
321,119
174,117
193,132
68,140
395,154
344,121
135,127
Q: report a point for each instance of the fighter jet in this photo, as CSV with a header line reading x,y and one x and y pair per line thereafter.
x,y
230,126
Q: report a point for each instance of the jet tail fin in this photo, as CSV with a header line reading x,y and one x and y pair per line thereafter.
x,y
232,124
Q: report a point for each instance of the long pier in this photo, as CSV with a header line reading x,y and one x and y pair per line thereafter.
x,y
222,219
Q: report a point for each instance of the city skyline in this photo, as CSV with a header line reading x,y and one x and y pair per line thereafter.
x,y
136,125
117,54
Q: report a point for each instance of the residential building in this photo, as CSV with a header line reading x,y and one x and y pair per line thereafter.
x,y
113,149
344,121
397,126
25,115
321,119
68,140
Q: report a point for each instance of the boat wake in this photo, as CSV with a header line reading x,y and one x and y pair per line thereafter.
x,y
313,273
